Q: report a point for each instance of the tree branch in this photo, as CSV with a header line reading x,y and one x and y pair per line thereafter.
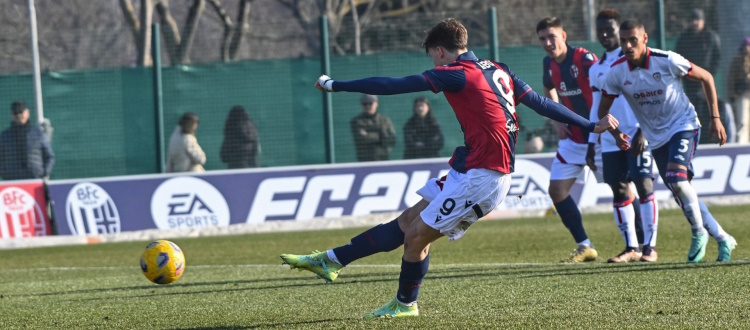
x,y
188,34
240,29
228,28
131,19
169,30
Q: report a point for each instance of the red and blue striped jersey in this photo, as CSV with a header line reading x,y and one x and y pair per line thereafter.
x,y
571,81
483,95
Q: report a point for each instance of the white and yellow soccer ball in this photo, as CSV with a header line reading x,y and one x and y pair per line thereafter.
x,y
163,262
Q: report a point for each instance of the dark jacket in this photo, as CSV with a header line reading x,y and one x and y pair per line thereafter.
x,y
380,137
422,138
241,146
703,49
25,153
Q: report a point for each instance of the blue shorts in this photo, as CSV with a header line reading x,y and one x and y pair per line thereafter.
x,y
679,150
622,166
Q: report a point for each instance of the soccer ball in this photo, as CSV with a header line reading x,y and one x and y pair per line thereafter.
x,y
162,262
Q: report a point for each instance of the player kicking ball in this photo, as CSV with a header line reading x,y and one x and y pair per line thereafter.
x,y
483,95
651,82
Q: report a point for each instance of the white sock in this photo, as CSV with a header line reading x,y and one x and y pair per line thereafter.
x,y
625,221
332,256
649,219
687,198
712,226
586,242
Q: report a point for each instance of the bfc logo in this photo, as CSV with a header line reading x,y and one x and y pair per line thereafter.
x,y
21,215
91,211
574,71
188,202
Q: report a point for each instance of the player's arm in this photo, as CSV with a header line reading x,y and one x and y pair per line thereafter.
x,y
709,90
522,93
376,85
593,137
551,94
556,111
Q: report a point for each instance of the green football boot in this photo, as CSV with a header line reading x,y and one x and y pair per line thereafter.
x,y
725,249
317,262
393,309
697,247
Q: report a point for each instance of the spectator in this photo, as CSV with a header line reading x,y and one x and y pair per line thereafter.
x,y
738,91
534,144
241,146
374,134
422,136
185,154
699,45
25,151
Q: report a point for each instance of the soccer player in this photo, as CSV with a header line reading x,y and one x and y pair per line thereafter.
x,y
621,166
651,82
566,80
483,95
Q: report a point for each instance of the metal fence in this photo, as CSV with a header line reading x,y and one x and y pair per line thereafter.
x,y
101,103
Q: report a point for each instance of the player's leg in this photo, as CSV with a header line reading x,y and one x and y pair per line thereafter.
x,y
616,176
641,173
726,242
414,266
673,162
381,238
562,178
638,217
464,199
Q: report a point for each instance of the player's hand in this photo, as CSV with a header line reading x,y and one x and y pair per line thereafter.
x,y
590,154
562,130
607,123
324,83
639,144
716,129
622,140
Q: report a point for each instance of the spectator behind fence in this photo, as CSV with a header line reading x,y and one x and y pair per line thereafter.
x,y
25,151
241,146
374,134
701,46
185,154
738,90
422,136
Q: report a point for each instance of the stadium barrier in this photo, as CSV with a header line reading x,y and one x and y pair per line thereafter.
x,y
304,198
23,210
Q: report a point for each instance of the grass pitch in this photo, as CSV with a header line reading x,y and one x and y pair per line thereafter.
x,y
502,274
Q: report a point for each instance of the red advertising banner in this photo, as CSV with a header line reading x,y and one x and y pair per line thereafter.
x,y
23,210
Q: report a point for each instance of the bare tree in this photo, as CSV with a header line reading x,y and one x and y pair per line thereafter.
x,y
363,13
179,44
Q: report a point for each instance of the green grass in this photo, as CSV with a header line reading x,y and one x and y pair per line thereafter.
x,y
502,274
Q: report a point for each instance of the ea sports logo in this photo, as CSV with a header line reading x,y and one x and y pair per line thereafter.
x,y
91,211
188,202
21,215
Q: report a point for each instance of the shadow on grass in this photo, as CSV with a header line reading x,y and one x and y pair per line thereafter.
x,y
284,325
391,275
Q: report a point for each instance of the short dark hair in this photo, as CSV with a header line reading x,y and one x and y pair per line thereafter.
x,y
449,34
187,120
608,13
548,22
631,24
421,99
18,106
